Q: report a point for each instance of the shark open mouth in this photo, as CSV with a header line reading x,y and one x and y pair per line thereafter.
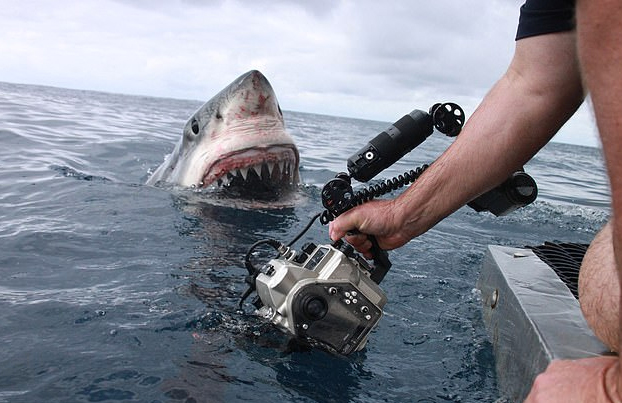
x,y
261,169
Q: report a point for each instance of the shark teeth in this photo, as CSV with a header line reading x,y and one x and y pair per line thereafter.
x,y
277,171
256,169
225,180
243,172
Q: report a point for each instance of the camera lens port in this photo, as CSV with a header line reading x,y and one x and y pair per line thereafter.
x,y
314,307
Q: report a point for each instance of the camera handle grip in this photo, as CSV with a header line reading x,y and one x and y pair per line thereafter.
x,y
382,264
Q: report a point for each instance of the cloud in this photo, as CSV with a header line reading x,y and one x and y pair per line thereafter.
x,y
368,59
312,43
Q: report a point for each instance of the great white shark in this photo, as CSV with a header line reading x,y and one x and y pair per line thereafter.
x,y
236,140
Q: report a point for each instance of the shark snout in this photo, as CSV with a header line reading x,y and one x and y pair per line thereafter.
x,y
254,97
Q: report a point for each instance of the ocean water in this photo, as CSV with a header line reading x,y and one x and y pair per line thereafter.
x,y
112,291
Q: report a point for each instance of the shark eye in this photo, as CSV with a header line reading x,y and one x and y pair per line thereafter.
x,y
218,115
195,126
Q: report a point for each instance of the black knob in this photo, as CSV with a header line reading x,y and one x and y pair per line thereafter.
x,y
308,248
348,250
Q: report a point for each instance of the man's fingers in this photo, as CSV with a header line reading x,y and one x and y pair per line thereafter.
x,y
358,240
339,228
361,243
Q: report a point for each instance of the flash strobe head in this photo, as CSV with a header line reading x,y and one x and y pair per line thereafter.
x,y
402,137
390,145
519,190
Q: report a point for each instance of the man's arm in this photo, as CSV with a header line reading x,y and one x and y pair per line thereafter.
x,y
600,50
539,92
599,29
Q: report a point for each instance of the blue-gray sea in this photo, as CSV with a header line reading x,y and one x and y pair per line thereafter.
x,y
111,290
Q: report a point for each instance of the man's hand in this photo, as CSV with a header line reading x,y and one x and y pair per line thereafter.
x,y
376,218
591,380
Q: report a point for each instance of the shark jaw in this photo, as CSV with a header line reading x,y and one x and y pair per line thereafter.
x,y
254,169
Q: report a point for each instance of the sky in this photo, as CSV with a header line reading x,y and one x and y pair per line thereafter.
x,y
368,59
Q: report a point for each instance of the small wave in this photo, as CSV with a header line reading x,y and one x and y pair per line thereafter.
x,y
6,395
69,172
565,217
98,294
569,217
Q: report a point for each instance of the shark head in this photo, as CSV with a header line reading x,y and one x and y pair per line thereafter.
x,y
236,140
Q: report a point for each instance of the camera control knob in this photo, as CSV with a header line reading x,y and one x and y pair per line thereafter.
x,y
309,247
301,258
337,244
347,250
268,270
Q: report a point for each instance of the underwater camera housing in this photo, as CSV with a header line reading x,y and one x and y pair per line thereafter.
x,y
323,295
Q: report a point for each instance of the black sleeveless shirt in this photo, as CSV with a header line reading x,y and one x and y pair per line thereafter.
x,y
539,17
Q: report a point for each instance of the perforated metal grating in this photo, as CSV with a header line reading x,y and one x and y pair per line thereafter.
x,y
565,259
